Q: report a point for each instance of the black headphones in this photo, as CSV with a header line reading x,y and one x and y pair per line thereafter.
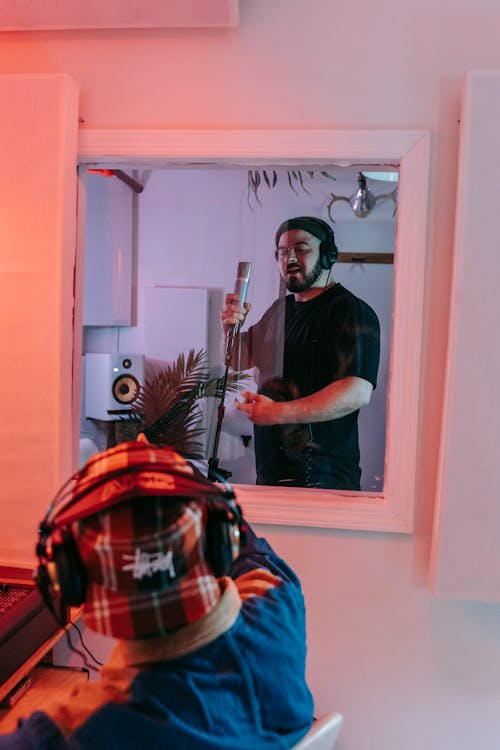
x,y
328,250
60,569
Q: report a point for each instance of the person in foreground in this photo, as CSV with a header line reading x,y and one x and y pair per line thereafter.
x,y
209,622
317,352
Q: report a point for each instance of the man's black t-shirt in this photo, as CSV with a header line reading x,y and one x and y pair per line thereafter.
x,y
333,336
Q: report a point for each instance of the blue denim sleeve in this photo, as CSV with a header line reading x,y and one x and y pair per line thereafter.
x,y
256,552
38,732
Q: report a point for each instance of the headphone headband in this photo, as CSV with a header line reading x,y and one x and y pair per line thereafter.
x,y
119,476
78,497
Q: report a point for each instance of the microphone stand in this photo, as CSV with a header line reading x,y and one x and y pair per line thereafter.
x,y
213,461
240,289
214,472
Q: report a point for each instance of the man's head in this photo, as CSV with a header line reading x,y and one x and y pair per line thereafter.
x,y
305,247
140,539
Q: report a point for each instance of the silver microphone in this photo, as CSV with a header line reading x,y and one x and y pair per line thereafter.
x,y
241,289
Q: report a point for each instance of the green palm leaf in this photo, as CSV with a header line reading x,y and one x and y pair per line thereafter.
x,y
167,408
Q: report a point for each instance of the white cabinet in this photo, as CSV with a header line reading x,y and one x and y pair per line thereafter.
x,y
107,287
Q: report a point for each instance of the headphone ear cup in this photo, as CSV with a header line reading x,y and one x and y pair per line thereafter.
x,y
45,585
71,573
328,253
219,542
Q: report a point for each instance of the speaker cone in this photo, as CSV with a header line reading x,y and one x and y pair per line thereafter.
x,y
125,389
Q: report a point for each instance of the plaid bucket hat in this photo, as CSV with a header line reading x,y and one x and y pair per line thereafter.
x,y
137,514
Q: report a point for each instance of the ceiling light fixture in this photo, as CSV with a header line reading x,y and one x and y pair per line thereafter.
x,y
362,201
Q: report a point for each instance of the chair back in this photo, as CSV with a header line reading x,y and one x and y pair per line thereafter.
x,y
323,733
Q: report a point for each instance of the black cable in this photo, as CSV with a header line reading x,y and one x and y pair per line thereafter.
x,y
77,651
63,623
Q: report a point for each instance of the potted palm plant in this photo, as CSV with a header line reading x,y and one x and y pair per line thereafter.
x,y
168,409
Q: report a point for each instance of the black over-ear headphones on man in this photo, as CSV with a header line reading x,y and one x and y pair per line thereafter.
x,y
60,568
328,250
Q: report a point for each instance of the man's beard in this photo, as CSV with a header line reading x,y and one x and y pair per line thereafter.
x,y
295,284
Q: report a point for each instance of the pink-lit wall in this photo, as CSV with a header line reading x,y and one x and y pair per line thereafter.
x,y
37,240
406,669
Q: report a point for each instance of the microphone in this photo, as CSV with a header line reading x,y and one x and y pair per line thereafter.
x,y
241,289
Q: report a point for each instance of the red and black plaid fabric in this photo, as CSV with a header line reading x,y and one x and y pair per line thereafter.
x,y
128,470
141,539
146,568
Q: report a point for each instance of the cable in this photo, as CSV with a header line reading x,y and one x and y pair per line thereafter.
x,y
62,623
77,651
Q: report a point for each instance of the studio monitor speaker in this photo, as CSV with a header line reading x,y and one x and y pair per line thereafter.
x,y
112,384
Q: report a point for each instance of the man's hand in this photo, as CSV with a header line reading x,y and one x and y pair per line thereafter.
x,y
259,409
233,313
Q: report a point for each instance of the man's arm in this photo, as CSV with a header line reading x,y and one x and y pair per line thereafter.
x,y
256,556
331,402
234,314
36,731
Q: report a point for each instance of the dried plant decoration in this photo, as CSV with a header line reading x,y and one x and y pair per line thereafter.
x,y
294,178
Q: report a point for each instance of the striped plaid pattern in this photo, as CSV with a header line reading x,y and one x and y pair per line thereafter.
x,y
147,573
128,470
144,556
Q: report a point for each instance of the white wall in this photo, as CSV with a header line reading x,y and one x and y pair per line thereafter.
x,y
407,669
